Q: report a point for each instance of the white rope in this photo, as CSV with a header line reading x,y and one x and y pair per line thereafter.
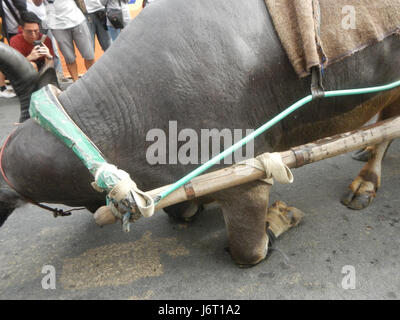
x,y
273,166
144,202
270,163
124,187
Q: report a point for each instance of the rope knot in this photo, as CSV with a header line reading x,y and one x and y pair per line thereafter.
x,y
127,201
273,166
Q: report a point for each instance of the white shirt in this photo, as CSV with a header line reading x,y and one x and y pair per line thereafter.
x,y
12,24
114,4
63,14
40,11
94,5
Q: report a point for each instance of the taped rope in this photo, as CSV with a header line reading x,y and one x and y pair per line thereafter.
x,y
125,199
125,191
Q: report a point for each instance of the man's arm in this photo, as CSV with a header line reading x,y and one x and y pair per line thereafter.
x,y
35,54
48,55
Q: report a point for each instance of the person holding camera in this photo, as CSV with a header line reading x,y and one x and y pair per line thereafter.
x,y
36,47
40,11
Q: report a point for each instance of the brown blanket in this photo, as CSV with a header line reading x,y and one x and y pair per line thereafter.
x,y
321,32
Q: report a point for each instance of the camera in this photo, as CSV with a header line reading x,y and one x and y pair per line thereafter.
x,y
40,42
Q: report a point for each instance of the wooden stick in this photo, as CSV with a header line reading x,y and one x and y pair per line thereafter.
x,y
294,158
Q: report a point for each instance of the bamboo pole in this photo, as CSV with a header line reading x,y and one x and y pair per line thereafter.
x,y
294,158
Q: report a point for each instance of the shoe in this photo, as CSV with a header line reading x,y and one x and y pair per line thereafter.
x,y
7,94
61,78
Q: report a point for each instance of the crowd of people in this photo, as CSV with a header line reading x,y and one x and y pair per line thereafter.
x,y
41,29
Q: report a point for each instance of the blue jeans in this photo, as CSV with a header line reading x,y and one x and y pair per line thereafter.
x,y
113,32
57,60
96,27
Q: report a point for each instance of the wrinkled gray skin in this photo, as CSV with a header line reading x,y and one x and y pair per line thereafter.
x,y
205,64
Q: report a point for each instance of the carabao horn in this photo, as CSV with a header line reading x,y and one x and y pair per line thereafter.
x,y
22,75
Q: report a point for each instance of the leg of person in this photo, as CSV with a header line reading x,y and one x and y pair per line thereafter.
x,y
34,65
2,80
81,36
65,42
91,25
73,70
57,60
4,91
102,35
88,63
113,32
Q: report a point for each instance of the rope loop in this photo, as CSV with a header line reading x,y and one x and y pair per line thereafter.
x,y
273,166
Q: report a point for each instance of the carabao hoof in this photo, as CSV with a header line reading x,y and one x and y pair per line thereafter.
x,y
357,201
281,218
360,195
362,155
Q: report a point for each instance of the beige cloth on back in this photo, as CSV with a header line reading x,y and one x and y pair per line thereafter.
x,y
315,32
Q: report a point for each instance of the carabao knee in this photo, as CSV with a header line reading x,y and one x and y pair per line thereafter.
x,y
248,250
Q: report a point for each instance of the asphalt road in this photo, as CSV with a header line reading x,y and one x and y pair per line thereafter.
x,y
161,259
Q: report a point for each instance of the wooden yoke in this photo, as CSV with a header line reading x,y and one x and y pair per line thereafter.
x,y
294,158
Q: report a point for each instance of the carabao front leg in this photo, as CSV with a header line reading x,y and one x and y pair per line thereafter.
x,y
245,209
247,220
362,191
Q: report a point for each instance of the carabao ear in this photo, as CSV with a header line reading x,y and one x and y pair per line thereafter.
x,y
47,76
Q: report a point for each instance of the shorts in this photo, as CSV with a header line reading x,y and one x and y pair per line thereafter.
x,y
81,36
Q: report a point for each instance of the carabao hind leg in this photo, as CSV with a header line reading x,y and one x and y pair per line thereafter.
x,y
245,214
184,211
362,190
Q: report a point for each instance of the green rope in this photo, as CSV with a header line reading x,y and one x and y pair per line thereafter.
x,y
266,126
50,115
